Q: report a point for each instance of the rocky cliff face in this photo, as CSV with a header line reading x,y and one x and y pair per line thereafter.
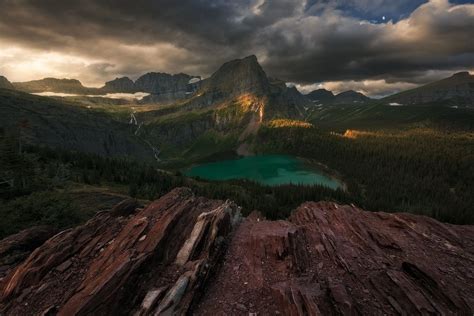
x,y
245,79
123,85
163,87
166,88
321,96
159,83
184,254
5,84
325,97
237,77
456,90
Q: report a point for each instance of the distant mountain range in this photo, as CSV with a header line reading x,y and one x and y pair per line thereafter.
x,y
457,89
70,86
162,87
204,116
231,104
324,97
167,88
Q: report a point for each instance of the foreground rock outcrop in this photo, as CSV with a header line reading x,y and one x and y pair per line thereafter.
x,y
329,259
154,261
188,255
16,248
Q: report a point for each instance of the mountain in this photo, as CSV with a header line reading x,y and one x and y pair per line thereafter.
x,y
350,97
122,85
164,87
235,78
163,83
321,96
245,79
457,90
184,254
71,86
325,97
54,123
225,110
5,84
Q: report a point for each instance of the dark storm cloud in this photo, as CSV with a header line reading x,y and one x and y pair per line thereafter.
x,y
296,40
334,47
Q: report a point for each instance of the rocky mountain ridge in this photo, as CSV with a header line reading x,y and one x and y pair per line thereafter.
x,y
325,97
231,104
245,80
166,88
457,90
161,86
72,86
321,96
184,254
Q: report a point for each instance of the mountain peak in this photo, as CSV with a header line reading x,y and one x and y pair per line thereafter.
x,y
461,74
123,84
237,77
5,84
349,92
320,96
350,97
251,58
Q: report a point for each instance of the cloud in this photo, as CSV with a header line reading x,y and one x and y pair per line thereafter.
x,y
331,46
301,41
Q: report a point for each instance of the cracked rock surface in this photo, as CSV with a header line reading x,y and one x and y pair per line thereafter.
x,y
184,254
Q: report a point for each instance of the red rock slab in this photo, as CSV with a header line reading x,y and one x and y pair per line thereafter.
x,y
126,264
330,259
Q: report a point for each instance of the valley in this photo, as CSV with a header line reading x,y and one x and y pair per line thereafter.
x,y
247,158
415,158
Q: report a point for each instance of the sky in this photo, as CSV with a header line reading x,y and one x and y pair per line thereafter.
x,y
377,47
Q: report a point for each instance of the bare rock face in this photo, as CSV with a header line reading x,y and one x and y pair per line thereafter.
x,y
166,88
186,255
16,248
245,79
153,262
124,84
330,259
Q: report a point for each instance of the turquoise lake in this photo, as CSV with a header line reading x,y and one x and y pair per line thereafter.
x,y
266,169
